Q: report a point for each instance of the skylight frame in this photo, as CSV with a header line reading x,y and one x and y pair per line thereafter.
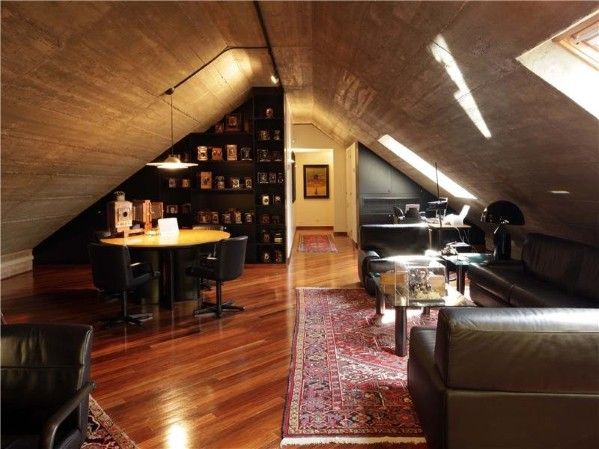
x,y
577,40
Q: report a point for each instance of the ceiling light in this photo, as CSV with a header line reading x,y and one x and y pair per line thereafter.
x,y
559,192
274,79
425,168
171,162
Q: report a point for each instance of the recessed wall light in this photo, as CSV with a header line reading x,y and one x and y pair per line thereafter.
x,y
559,192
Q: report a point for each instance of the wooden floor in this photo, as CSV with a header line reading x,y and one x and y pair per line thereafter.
x,y
180,382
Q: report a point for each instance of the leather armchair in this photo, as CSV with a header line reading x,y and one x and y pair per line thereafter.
x,y
45,385
507,378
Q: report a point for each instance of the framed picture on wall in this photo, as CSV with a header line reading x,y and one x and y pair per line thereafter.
x,y
316,181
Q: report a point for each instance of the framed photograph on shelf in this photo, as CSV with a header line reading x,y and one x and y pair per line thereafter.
x,y
316,181
172,209
172,183
202,153
231,152
246,153
219,127
206,180
235,183
233,123
217,154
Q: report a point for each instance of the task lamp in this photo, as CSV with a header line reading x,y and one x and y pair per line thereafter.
x,y
502,213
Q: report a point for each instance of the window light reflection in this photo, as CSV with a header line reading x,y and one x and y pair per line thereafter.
x,y
177,437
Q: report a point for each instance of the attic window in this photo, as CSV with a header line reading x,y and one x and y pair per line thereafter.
x,y
583,41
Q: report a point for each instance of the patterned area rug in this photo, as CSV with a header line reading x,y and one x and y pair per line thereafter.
x,y
316,243
103,433
345,384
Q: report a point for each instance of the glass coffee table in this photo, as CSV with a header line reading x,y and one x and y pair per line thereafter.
x,y
460,263
401,304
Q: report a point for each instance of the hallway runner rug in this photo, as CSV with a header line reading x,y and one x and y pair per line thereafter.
x,y
346,385
316,243
102,432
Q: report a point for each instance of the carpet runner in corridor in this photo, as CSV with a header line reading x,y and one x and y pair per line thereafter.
x,y
316,243
102,432
346,385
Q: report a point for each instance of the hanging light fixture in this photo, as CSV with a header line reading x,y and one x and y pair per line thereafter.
x,y
171,162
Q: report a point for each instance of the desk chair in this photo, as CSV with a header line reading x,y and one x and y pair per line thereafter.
x,y
113,272
45,385
226,264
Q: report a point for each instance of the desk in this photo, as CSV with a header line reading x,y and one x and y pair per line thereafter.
x,y
435,234
168,244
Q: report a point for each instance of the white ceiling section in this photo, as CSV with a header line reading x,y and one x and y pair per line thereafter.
x,y
82,104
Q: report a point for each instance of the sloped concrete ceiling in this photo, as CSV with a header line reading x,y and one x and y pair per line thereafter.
x,y
82,103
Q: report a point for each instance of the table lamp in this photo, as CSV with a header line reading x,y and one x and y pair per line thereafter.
x,y
502,213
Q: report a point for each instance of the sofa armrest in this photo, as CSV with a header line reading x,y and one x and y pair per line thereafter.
x,y
519,350
364,256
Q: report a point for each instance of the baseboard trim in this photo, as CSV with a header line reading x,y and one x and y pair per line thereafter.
x,y
16,263
340,233
312,228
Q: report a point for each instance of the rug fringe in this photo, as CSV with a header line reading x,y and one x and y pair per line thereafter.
x,y
349,440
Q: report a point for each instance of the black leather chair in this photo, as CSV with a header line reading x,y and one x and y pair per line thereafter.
x,y
113,272
45,385
227,264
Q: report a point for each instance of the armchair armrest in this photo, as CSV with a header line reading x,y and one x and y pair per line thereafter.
x,y
50,427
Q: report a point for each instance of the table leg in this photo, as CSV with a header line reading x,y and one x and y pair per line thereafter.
x,y
461,278
380,302
401,331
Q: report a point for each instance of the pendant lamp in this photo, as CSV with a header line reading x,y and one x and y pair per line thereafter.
x,y
172,162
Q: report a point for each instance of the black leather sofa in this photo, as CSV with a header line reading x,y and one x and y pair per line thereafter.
x,y
507,378
385,240
553,272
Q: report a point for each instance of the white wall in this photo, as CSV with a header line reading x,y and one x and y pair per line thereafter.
x,y
307,136
314,211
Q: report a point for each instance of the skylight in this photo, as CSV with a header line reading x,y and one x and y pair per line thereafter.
x,y
425,168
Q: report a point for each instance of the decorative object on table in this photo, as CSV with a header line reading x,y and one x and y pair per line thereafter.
x,y
142,213
237,216
172,209
206,180
214,215
248,217
202,153
263,135
246,153
276,200
226,218
316,181
265,256
272,178
186,208
235,183
275,219
419,279
276,134
262,177
502,213
219,182
172,183
119,213
264,236
264,219
102,432
263,155
231,152
281,178
247,182
316,243
269,113
277,156
219,127
185,183
265,199
172,161
371,403
233,122
277,237
216,154
278,256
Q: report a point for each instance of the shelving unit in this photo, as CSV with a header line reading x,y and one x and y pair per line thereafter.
x,y
258,132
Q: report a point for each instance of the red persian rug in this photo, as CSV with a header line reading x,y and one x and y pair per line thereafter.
x,y
103,433
316,243
346,385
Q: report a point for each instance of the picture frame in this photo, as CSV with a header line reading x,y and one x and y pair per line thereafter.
x,y
316,181
262,177
263,155
248,182
185,183
216,154
248,217
277,156
231,152
219,127
235,183
172,183
220,182
265,199
214,216
272,177
172,209
202,153
206,180
233,122
246,153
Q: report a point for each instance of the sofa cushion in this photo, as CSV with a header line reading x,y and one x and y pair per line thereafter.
x,y
496,279
533,292
587,282
552,259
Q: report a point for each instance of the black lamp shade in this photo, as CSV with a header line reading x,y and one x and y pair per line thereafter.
x,y
502,212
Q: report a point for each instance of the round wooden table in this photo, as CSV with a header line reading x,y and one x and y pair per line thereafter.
x,y
168,244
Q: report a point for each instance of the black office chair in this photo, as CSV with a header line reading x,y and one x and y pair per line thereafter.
x,y
227,264
45,385
113,272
